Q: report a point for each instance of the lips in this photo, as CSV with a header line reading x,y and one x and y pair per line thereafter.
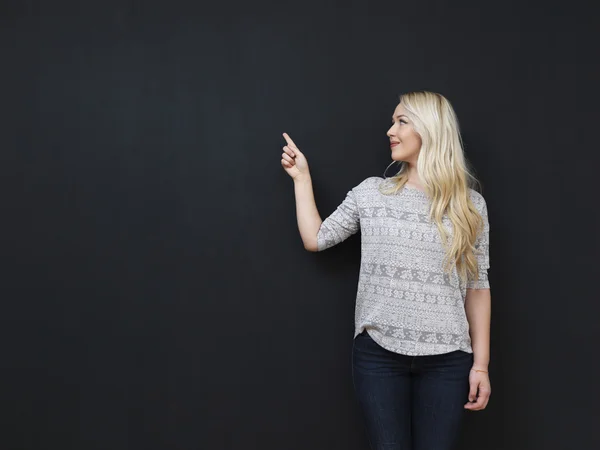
x,y
393,144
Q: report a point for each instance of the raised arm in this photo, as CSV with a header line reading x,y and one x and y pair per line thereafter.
x,y
316,234
295,164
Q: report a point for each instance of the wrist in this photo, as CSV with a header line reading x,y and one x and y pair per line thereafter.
x,y
477,366
302,179
480,362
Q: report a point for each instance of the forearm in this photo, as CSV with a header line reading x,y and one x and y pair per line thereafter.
x,y
309,220
478,309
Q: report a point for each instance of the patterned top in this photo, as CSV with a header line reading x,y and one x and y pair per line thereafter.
x,y
405,301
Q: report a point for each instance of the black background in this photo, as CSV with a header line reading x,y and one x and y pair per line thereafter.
x,y
155,291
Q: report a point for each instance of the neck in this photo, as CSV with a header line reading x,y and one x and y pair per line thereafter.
x,y
413,178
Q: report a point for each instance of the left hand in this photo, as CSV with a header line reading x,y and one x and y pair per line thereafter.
x,y
480,391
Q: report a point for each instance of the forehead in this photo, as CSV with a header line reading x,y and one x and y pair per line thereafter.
x,y
399,110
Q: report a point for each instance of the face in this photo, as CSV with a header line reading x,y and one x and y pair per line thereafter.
x,y
402,132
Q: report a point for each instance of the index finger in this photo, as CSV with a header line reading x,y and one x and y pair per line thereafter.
x,y
289,140
480,402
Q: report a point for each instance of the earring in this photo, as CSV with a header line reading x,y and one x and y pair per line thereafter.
x,y
384,177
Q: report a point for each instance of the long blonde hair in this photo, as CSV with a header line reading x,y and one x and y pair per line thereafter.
x,y
446,176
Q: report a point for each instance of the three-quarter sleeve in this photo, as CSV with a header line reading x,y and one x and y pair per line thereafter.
x,y
341,224
482,251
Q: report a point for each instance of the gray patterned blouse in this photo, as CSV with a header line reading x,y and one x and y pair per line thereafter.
x,y
404,300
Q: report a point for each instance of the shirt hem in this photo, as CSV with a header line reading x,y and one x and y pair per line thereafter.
x,y
376,338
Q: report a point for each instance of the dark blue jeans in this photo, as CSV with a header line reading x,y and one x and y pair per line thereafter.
x,y
410,402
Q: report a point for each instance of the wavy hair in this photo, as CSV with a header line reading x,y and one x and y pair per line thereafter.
x,y
446,176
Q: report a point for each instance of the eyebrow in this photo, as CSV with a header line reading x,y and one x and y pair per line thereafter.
x,y
401,115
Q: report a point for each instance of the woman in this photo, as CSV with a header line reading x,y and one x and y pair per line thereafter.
x,y
423,306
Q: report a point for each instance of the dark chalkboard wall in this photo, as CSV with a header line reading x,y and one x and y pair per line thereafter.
x,y
155,291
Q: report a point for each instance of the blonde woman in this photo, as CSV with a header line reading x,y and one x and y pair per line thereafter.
x,y
423,307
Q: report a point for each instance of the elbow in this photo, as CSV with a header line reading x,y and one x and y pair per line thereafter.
x,y
311,244
311,247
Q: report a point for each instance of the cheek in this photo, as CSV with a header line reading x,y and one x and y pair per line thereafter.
x,y
413,138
